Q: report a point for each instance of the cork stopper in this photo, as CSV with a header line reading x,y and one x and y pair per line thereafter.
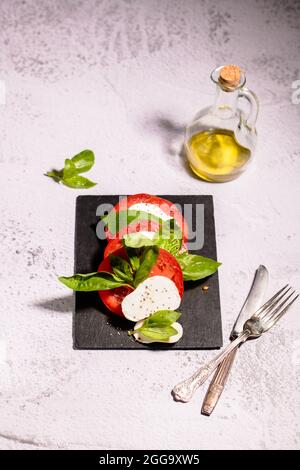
x,y
230,76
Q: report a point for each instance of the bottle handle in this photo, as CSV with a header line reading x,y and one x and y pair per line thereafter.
x,y
252,99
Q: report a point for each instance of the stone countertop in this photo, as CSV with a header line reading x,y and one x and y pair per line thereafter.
x,y
123,78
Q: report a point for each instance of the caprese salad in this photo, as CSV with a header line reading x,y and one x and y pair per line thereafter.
x,y
145,264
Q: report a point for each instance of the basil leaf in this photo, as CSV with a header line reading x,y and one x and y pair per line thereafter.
x,y
121,263
172,245
111,218
134,259
159,333
83,161
91,282
138,240
196,267
114,276
159,325
121,268
80,163
79,182
162,318
116,221
118,274
170,230
105,218
69,169
148,259
56,175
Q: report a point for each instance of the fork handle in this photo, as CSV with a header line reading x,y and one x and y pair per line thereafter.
x,y
185,390
217,384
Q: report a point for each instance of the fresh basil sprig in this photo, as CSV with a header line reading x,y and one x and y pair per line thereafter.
x,y
125,273
134,256
147,261
196,267
92,282
121,268
70,174
159,325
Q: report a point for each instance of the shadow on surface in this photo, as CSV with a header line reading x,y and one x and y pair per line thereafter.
x,y
169,131
63,304
172,135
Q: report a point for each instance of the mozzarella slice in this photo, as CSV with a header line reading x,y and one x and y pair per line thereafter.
x,y
153,294
144,339
150,209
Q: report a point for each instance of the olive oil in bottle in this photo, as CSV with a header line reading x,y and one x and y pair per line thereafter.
x,y
214,154
221,139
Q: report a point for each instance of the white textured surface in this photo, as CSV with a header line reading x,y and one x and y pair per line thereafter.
x,y
123,78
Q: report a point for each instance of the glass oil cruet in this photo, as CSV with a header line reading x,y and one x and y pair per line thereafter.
x,y
221,139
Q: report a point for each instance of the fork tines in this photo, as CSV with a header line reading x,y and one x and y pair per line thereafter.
x,y
268,312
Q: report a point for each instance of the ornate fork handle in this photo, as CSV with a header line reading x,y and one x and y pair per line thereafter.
x,y
185,390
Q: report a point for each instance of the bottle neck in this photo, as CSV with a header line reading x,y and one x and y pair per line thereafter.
x,y
225,103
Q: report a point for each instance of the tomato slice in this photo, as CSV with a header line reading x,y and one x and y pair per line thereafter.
x,y
160,206
112,298
112,246
166,265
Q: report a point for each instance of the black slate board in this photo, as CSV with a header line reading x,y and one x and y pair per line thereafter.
x,y
94,327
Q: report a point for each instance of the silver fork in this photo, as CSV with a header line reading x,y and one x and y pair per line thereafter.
x,y
260,322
